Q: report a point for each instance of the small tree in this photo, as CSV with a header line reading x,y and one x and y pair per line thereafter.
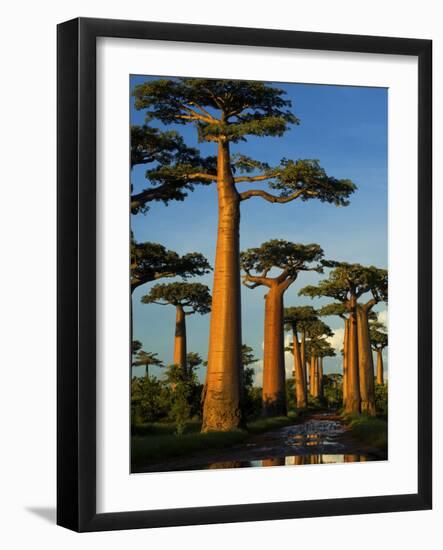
x,y
193,360
182,296
146,358
379,341
181,386
289,258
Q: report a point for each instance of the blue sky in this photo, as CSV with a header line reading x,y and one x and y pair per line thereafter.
x,y
345,128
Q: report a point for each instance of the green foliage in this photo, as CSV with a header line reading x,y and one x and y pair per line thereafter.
x,y
309,180
229,108
290,394
299,318
228,111
151,261
277,253
193,360
381,399
378,334
369,429
136,345
350,279
175,166
150,400
332,390
193,295
252,399
146,359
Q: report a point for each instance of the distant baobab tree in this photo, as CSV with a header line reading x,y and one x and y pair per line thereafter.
x,y
289,259
225,112
379,341
347,283
187,298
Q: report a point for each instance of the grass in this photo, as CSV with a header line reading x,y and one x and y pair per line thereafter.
x,y
154,441
369,429
151,448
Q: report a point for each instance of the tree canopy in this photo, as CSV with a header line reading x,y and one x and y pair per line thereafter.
x,y
290,258
152,261
228,111
174,166
346,280
378,334
196,296
299,317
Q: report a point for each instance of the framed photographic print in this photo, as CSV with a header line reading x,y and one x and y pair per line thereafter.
x,y
244,274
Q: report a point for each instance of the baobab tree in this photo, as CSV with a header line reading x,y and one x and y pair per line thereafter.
x,y
346,284
194,296
146,359
289,258
224,112
379,341
168,153
316,348
296,321
152,261
340,310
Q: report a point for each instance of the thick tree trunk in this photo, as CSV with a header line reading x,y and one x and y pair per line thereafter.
x,y
274,393
365,363
345,362
320,377
353,397
303,362
221,410
180,338
380,378
300,390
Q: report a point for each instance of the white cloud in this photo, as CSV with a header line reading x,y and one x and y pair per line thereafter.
x,y
336,340
383,316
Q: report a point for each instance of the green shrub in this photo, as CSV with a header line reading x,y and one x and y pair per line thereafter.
x,y
381,399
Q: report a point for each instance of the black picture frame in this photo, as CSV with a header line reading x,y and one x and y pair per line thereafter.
x,y
76,372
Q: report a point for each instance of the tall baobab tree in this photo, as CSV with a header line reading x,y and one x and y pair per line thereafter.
x,y
296,321
347,283
224,112
146,359
152,261
379,341
194,296
289,258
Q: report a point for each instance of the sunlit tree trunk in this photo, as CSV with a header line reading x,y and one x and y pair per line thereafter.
x,y
221,410
277,461
180,338
353,396
274,394
320,377
345,362
303,362
380,378
366,365
312,376
300,390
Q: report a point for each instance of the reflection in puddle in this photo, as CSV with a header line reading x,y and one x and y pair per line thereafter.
x,y
297,460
